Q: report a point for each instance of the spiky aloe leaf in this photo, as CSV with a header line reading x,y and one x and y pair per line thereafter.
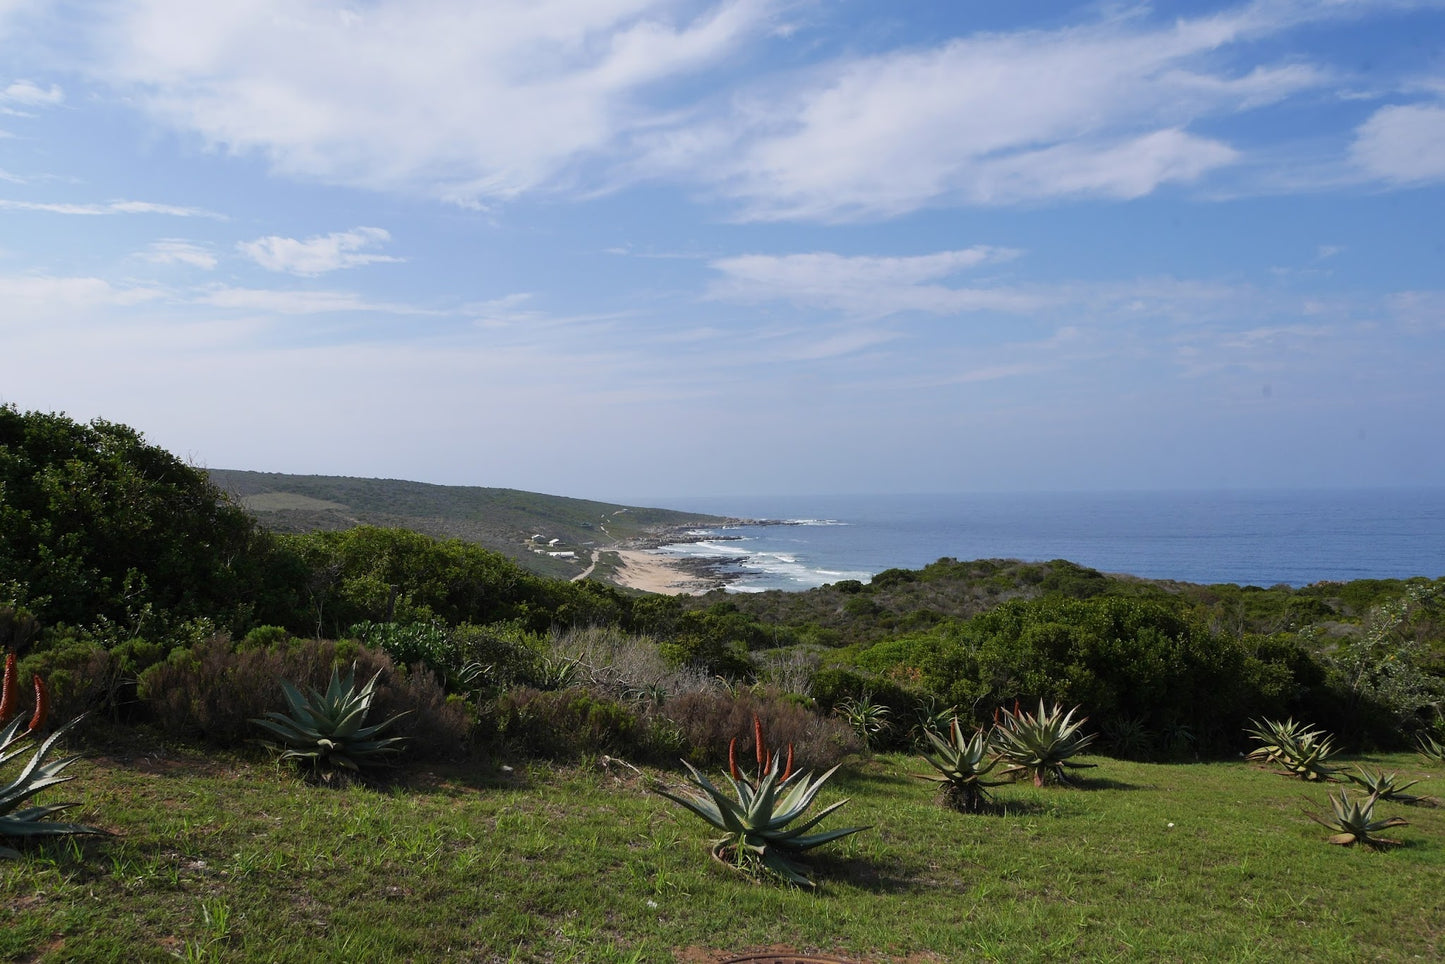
x,y
36,775
1431,748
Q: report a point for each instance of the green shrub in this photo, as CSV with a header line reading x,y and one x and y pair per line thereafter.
x,y
564,724
212,690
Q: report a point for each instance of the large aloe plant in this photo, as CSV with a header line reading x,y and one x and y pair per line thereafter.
x,y
1300,750
756,819
1041,745
1353,821
326,730
962,763
17,822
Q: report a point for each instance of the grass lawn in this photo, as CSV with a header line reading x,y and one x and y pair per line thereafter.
x,y
221,858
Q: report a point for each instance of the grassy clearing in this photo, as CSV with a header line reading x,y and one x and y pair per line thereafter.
x,y
231,859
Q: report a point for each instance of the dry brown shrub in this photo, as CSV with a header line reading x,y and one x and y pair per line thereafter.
x,y
710,720
213,692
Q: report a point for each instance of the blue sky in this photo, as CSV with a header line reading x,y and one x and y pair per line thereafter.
x,y
630,248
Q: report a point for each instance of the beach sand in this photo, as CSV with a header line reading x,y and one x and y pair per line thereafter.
x,y
652,572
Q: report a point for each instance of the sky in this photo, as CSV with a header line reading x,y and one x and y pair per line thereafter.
x,y
624,249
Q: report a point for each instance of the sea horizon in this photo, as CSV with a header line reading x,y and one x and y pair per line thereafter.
x,y
1261,537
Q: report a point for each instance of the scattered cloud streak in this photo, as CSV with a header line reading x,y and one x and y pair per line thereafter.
x,y
318,255
176,251
107,208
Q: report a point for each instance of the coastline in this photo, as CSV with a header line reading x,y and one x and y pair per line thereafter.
x,y
652,571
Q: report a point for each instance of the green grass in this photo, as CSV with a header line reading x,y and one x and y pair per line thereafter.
x,y
231,859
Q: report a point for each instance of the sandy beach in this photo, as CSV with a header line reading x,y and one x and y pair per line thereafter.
x,y
652,572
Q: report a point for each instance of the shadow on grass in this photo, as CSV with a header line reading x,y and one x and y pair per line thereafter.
x,y
1103,783
865,874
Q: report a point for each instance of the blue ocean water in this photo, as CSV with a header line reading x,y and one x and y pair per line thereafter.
x,y
1250,538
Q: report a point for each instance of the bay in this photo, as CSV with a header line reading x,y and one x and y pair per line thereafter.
x,y
1258,538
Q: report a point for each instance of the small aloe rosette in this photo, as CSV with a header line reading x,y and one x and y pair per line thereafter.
x,y
757,819
326,730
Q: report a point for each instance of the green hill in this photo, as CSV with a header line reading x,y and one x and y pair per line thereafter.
x,y
520,525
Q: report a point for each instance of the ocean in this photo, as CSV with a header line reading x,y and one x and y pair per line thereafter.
x,y
1250,538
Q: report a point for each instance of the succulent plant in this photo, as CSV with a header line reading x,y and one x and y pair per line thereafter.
x,y
1040,745
1302,751
1385,786
1353,821
756,818
327,731
868,719
36,775
962,763
1431,748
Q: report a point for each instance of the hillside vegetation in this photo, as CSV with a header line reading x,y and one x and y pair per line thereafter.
x,y
121,561
519,525
531,718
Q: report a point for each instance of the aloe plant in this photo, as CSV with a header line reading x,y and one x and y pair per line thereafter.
x,y
868,719
1040,745
326,730
756,819
1431,748
1385,786
962,763
36,775
1300,750
1353,821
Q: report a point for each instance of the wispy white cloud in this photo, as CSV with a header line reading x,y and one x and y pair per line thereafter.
x,y
301,302
866,286
57,294
107,208
176,251
1099,110
1403,143
29,94
320,254
449,98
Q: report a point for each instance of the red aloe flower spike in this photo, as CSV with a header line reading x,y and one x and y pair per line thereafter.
x,y
733,759
769,765
788,768
42,705
759,747
995,714
1016,707
10,697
